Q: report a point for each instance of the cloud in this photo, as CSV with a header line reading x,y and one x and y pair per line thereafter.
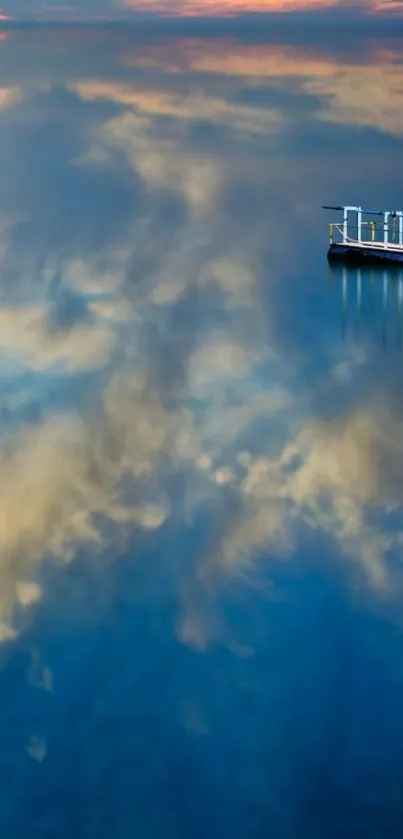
x,y
171,413
158,161
104,10
162,164
162,161
330,476
196,105
188,370
105,468
362,97
27,339
9,96
217,8
365,93
331,479
82,461
233,58
208,8
219,358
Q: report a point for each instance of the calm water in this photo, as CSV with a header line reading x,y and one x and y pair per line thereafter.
x,y
201,442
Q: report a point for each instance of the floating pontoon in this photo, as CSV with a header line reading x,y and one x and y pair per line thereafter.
x,y
359,239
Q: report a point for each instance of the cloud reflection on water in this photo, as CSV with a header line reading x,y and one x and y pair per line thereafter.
x,y
179,415
145,344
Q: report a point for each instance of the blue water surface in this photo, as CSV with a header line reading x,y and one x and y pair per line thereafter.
x,y
201,443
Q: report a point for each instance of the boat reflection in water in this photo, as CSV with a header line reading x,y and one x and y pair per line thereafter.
x,y
370,298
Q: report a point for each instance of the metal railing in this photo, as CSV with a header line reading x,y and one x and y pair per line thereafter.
x,y
375,230
333,226
385,232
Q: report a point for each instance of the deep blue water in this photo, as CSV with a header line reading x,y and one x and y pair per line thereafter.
x,y
201,439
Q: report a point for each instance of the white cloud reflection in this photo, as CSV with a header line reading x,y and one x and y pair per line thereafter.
x,y
185,371
28,339
81,476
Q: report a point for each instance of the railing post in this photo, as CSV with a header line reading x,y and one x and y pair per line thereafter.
x,y
386,228
359,223
344,225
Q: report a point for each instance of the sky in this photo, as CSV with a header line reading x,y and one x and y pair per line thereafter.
x,y
126,9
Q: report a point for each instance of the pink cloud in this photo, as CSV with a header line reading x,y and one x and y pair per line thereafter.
x,y
197,8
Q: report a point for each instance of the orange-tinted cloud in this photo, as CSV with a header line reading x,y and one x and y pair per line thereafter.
x,y
364,90
229,57
118,9
207,8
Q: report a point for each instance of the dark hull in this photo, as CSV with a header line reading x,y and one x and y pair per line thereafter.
x,y
363,256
